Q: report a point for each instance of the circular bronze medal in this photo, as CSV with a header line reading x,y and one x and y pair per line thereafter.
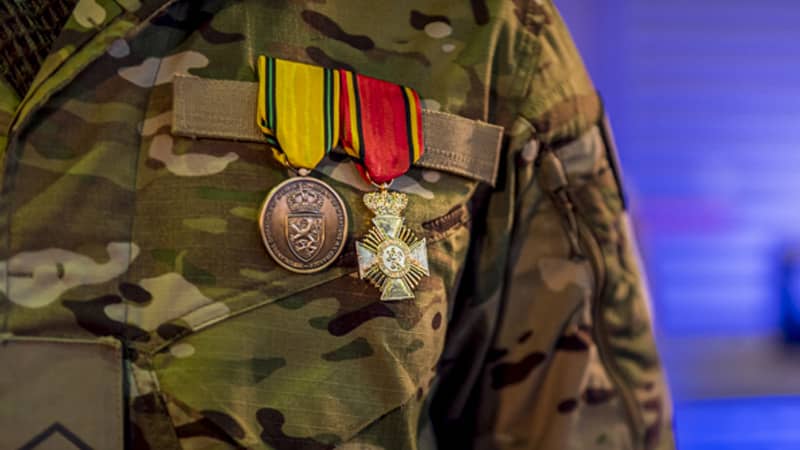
x,y
303,224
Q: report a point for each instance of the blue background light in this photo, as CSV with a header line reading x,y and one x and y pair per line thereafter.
x,y
704,96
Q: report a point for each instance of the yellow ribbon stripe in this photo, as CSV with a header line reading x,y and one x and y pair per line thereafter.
x,y
298,110
415,141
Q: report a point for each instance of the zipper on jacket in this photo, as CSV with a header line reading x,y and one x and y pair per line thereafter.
x,y
585,245
600,332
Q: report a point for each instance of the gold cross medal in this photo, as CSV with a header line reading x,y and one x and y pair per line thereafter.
x,y
390,256
381,128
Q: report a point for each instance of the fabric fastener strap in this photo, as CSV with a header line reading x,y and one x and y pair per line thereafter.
x,y
225,109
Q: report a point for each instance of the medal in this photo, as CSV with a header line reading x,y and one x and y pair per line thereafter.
x,y
303,221
303,224
381,128
390,256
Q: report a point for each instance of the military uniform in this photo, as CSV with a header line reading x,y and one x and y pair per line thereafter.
x,y
138,307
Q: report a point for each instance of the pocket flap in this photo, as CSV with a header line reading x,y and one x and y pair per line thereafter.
x,y
60,393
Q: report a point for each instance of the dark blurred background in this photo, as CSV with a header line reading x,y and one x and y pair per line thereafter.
x,y
704,97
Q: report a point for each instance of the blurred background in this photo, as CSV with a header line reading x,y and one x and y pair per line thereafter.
x,y
704,97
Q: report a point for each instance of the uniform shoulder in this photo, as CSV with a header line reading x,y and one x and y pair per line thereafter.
x,y
550,88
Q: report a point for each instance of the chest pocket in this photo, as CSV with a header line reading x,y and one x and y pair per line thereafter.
x,y
269,356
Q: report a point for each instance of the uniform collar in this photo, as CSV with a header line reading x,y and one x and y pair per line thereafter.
x,y
89,19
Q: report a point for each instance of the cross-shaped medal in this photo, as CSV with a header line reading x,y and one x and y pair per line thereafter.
x,y
391,256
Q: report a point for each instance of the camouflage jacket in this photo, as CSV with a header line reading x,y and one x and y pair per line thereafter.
x,y
139,309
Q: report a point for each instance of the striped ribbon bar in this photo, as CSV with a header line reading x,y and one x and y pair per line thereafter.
x,y
298,110
381,125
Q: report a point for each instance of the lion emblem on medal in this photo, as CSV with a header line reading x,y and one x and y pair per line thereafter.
x,y
305,227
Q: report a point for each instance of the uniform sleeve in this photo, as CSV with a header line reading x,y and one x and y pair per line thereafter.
x,y
550,344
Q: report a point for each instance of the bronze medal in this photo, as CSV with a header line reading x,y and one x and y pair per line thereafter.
x,y
303,224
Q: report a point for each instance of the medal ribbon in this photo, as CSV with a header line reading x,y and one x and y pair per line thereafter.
x,y
298,110
381,126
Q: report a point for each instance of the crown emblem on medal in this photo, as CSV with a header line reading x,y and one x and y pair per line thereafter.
x,y
386,203
304,200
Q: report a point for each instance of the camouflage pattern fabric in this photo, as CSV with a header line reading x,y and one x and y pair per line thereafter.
x,y
532,331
